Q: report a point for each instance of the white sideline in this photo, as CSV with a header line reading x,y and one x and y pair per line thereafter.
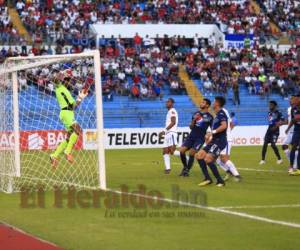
x,y
214,209
262,206
251,169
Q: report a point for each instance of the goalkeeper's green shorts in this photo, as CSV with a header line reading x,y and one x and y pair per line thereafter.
x,y
67,117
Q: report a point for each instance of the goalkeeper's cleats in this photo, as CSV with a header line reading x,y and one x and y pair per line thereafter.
x,y
54,161
295,172
70,158
262,162
205,183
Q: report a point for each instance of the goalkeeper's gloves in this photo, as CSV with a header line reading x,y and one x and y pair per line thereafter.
x,y
82,95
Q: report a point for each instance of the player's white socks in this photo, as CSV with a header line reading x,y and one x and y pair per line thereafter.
x,y
222,165
295,161
176,153
167,161
232,168
288,153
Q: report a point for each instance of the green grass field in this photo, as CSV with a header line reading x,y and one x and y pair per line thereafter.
x,y
174,228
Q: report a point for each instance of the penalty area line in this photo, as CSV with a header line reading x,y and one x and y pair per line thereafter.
x,y
213,209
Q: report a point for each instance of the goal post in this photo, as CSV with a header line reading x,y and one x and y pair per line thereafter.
x,y
31,126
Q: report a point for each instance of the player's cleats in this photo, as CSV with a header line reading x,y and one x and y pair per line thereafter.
x,y
262,162
279,161
69,158
220,184
167,171
227,177
184,173
237,178
54,161
205,183
290,170
295,172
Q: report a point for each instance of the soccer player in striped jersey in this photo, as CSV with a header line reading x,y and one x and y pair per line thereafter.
x,y
201,121
209,154
224,160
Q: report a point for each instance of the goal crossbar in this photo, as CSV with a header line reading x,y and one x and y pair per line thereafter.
x,y
48,60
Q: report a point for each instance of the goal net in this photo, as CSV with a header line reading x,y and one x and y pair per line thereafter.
x,y
37,133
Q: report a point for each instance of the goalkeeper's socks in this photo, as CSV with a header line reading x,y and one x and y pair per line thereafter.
x,y
71,143
60,148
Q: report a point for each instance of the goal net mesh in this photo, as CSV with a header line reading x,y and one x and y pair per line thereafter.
x,y
40,127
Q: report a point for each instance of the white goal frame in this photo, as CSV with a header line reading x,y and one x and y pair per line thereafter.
x,y
52,59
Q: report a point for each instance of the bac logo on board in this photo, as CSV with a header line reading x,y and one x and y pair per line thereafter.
x,y
35,141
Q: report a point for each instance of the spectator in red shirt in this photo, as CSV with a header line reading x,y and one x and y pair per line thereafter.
x,y
137,43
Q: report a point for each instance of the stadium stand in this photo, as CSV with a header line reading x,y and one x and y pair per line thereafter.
x,y
286,14
8,34
148,69
68,21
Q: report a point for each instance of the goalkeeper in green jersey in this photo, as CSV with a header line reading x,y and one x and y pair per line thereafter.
x,y
67,106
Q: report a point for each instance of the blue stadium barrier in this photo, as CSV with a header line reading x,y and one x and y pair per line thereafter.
x,y
124,112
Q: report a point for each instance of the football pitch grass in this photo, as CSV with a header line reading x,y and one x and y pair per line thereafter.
x,y
267,203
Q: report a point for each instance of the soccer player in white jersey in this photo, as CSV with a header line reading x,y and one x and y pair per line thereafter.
x,y
170,133
224,160
288,139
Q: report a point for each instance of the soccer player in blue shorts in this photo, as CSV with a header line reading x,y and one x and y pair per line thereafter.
x,y
295,121
209,154
201,121
276,119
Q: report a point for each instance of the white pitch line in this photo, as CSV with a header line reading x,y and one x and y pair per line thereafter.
x,y
263,170
214,209
28,234
262,206
251,169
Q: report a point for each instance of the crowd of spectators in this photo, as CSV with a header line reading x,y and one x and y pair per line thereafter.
x,y
285,13
140,68
8,34
68,21
261,70
143,68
